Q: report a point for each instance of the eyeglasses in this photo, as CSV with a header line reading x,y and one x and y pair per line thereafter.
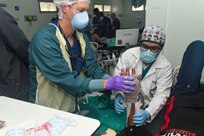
x,y
153,49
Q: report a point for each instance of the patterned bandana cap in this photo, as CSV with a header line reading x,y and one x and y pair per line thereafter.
x,y
153,34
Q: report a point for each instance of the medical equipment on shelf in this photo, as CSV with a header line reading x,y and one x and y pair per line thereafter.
x,y
107,60
107,57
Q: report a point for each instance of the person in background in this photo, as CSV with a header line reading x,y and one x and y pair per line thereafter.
x,y
154,80
14,81
95,21
115,24
63,66
104,29
104,26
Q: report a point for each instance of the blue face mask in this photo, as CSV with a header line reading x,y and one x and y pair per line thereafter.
x,y
80,20
148,56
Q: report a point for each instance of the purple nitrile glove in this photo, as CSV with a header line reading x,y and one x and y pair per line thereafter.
x,y
121,83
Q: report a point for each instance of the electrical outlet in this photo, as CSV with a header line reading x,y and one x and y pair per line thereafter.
x,y
30,18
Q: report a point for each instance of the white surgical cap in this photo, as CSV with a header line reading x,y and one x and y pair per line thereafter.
x,y
65,2
68,2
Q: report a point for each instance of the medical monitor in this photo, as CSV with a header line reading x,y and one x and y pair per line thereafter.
x,y
126,37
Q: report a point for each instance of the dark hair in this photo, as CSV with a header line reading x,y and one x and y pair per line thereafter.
x,y
95,10
101,14
113,14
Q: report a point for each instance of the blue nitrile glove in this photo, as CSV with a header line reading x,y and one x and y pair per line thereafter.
x,y
140,117
121,83
119,103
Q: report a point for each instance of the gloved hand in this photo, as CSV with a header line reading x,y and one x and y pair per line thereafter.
x,y
141,117
119,103
121,83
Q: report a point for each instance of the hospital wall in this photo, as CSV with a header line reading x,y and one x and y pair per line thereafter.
x,y
117,7
183,22
28,7
130,17
122,8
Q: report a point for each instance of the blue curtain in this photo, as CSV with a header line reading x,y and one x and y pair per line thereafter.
x,y
138,3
